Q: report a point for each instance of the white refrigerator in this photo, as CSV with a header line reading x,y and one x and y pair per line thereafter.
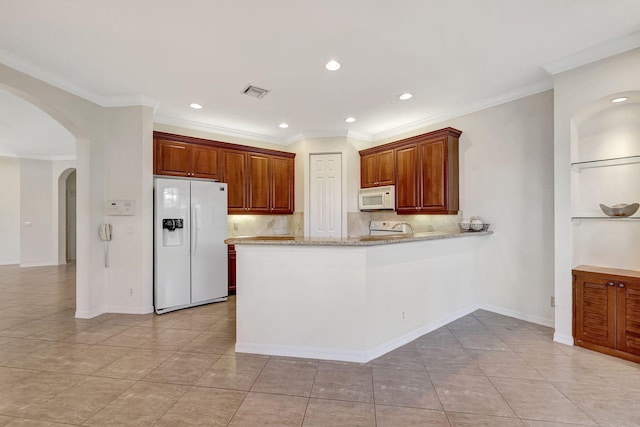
x,y
190,256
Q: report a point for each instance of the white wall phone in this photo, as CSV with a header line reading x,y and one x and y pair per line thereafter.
x,y
104,231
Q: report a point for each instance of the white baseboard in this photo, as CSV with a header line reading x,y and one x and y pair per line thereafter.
x,y
563,339
129,310
351,356
417,333
522,316
38,264
89,314
112,309
303,352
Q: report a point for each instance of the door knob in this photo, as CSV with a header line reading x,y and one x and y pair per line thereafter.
x,y
610,284
621,285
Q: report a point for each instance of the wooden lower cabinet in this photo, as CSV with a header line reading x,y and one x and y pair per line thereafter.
x,y
606,310
232,268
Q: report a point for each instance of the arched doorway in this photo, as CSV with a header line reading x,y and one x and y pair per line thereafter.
x,y
67,216
83,271
71,218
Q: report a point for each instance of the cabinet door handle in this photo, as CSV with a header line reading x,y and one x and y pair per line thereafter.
x,y
610,284
621,285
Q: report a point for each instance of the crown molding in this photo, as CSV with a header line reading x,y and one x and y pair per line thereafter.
x,y
130,101
360,136
20,64
594,53
47,157
463,111
205,127
341,133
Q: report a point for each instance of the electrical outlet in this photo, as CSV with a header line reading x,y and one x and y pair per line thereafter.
x,y
235,226
130,292
402,316
553,301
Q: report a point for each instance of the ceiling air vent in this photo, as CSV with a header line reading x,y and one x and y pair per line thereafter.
x,y
256,92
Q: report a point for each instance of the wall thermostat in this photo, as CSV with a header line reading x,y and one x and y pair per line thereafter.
x,y
121,207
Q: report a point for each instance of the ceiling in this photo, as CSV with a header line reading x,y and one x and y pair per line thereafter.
x,y
454,56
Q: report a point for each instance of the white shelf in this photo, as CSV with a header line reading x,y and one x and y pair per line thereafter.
x,y
605,218
615,161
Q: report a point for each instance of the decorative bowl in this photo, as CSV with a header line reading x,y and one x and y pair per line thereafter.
x,y
465,228
620,210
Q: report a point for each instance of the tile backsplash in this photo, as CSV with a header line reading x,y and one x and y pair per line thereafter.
x,y
358,222
265,225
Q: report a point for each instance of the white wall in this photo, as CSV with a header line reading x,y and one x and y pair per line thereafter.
x,y
506,177
577,91
36,213
130,177
97,131
10,211
41,205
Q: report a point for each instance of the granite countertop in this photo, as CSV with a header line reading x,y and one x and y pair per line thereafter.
x,y
349,241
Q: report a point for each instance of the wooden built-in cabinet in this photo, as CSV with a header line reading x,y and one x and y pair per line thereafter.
x,y
183,159
606,310
282,175
377,169
260,181
426,169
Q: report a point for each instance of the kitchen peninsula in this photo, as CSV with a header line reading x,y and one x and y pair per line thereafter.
x,y
351,299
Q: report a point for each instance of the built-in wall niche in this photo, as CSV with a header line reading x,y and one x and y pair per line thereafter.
x,y
605,153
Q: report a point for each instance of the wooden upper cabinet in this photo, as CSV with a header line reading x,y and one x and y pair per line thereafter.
x,y
172,158
205,162
183,159
424,169
439,165
258,184
407,186
606,310
259,181
234,167
377,169
282,178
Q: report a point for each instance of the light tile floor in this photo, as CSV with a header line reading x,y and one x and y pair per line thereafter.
x,y
180,369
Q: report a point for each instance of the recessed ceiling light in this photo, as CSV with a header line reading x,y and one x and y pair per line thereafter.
x,y
283,125
621,99
350,119
405,96
332,65
195,106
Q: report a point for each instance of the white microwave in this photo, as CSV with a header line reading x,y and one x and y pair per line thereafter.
x,y
377,198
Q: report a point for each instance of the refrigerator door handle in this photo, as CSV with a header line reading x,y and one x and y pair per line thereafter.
x,y
194,228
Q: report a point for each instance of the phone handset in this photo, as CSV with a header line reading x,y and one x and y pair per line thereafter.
x,y
104,231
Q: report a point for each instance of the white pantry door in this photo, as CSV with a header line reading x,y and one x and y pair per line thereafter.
x,y
325,195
